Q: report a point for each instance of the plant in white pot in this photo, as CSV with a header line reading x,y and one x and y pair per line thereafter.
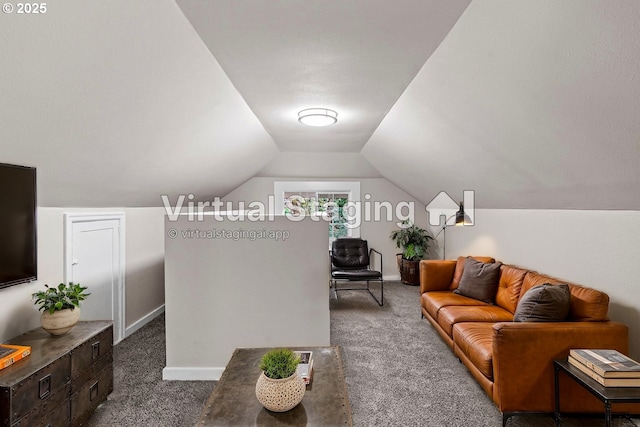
x,y
279,387
60,306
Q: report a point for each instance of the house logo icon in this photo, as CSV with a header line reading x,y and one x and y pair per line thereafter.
x,y
442,209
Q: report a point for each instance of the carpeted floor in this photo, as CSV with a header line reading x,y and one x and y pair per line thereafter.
x,y
398,373
140,397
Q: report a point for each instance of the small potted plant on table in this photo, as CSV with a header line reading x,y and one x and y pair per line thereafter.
x,y
414,242
60,306
279,387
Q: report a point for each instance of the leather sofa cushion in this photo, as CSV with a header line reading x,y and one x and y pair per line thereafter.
x,y
457,273
436,275
509,287
450,315
534,279
475,340
479,280
544,303
432,302
587,305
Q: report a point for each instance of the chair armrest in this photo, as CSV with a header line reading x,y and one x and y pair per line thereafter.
x,y
370,258
523,354
436,275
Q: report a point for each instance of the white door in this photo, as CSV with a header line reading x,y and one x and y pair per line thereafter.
x,y
94,260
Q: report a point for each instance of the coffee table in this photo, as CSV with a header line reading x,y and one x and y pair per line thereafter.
x,y
234,403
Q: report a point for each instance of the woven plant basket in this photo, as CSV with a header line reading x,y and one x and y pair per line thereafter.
x,y
409,272
280,395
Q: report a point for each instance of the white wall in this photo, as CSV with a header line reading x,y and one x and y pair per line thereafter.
x,y
375,232
598,249
242,291
144,274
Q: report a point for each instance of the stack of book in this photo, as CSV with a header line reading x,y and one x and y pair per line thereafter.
x,y
305,367
608,367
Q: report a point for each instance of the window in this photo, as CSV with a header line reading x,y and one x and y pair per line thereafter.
x,y
322,198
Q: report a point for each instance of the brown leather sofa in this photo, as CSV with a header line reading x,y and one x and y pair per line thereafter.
x,y
513,361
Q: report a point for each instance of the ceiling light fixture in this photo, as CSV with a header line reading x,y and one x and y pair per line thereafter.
x,y
317,117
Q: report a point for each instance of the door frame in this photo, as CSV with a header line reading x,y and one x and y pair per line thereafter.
x,y
119,288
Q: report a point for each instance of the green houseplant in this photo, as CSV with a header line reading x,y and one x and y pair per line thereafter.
x,y
414,242
279,387
60,306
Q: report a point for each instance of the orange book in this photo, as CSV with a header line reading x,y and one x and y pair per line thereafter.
x,y
9,354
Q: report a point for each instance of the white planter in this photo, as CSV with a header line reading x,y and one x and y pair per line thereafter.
x,y
280,395
60,322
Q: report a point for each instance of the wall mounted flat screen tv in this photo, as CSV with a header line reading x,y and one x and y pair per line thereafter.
x,y
18,247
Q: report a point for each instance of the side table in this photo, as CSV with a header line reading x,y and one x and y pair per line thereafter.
x,y
607,395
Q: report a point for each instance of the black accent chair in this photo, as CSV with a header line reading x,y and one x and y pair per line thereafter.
x,y
351,262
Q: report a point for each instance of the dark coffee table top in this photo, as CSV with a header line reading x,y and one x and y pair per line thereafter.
x,y
234,403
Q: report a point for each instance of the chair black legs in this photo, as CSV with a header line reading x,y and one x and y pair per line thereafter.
x,y
380,301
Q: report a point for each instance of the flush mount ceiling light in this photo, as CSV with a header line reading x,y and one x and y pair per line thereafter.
x,y
317,117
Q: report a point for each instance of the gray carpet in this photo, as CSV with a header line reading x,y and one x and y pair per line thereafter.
x,y
140,397
398,373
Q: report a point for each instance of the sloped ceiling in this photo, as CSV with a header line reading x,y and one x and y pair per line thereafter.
x,y
355,56
117,103
532,104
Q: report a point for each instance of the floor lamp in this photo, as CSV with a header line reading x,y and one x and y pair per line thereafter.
x,y
460,220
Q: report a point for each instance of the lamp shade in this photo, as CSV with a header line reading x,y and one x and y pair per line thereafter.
x,y
461,217
317,117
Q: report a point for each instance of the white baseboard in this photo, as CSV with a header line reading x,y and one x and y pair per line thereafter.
x,y
192,374
143,321
396,277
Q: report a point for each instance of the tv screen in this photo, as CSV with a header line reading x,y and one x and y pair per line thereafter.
x,y
18,250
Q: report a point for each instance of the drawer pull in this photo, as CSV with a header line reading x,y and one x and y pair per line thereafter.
x,y
93,391
44,386
95,350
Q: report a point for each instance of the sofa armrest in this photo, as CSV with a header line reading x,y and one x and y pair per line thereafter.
x,y
523,354
436,275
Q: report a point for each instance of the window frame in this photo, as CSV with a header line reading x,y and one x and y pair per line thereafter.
x,y
351,188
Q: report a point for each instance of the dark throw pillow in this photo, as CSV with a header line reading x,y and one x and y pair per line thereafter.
x,y
479,280
544,303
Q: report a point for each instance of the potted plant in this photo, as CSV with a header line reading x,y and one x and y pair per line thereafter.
x,y
60,306
414,242
279,387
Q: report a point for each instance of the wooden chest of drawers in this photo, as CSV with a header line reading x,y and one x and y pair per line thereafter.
x,y
63,380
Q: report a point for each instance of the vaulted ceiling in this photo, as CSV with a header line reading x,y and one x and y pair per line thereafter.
x,y
531,103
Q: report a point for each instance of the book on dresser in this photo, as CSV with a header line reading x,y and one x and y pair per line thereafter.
x,y
305,367
9,354
607,363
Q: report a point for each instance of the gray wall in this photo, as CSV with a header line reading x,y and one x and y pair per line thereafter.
x,y
144,269
375,232
224,293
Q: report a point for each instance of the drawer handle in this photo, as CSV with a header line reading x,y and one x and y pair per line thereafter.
x,y
93,391
44,386
95,350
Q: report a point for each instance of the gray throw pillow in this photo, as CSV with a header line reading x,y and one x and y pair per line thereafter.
x,y
479,280
544,303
